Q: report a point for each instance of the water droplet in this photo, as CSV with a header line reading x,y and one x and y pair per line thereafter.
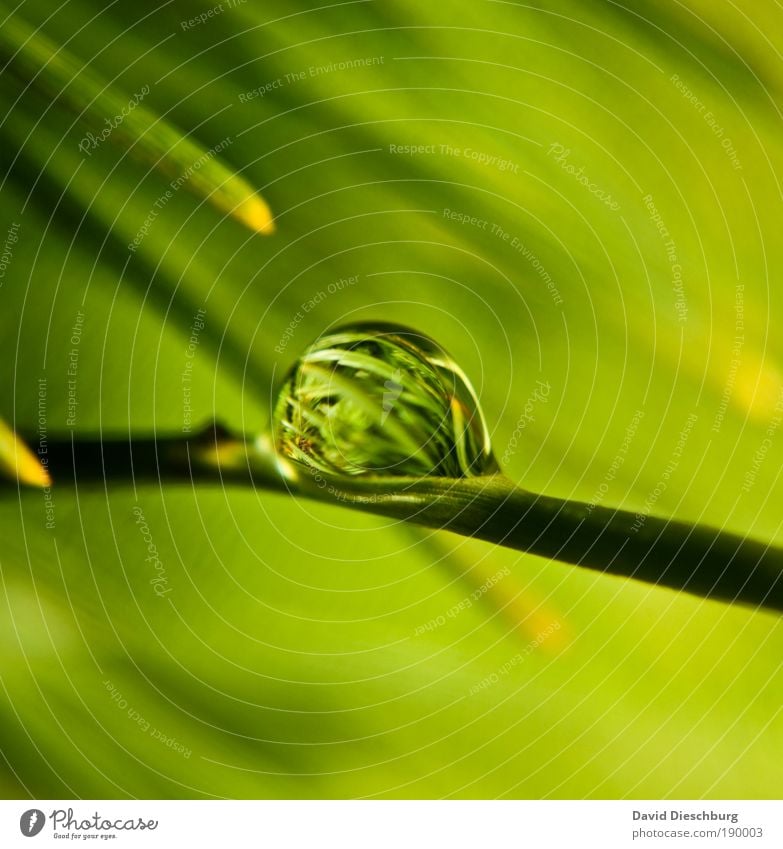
x,y
381,399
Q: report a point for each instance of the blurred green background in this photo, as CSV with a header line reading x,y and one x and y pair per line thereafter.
x,y
304,650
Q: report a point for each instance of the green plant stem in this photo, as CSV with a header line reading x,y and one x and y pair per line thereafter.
x,y
696,559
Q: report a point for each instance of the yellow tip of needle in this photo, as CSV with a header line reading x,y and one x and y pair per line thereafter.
x,y
18,461
256,215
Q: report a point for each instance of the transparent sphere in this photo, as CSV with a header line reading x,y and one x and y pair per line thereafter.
x,y
381,399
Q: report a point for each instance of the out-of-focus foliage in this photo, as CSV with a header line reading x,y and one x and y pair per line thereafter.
x,y
594,208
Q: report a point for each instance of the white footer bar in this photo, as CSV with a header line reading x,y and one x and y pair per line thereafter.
x,y
392,824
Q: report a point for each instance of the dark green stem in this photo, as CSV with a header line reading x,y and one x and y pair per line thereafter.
x,y
697,559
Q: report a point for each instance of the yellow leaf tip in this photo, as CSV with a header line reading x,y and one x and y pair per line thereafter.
x,y
256,215
30,471
19,461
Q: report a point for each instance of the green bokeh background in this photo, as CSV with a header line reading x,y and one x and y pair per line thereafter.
x,y
291,657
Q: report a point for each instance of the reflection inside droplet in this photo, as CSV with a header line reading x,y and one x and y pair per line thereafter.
x,y
381,399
